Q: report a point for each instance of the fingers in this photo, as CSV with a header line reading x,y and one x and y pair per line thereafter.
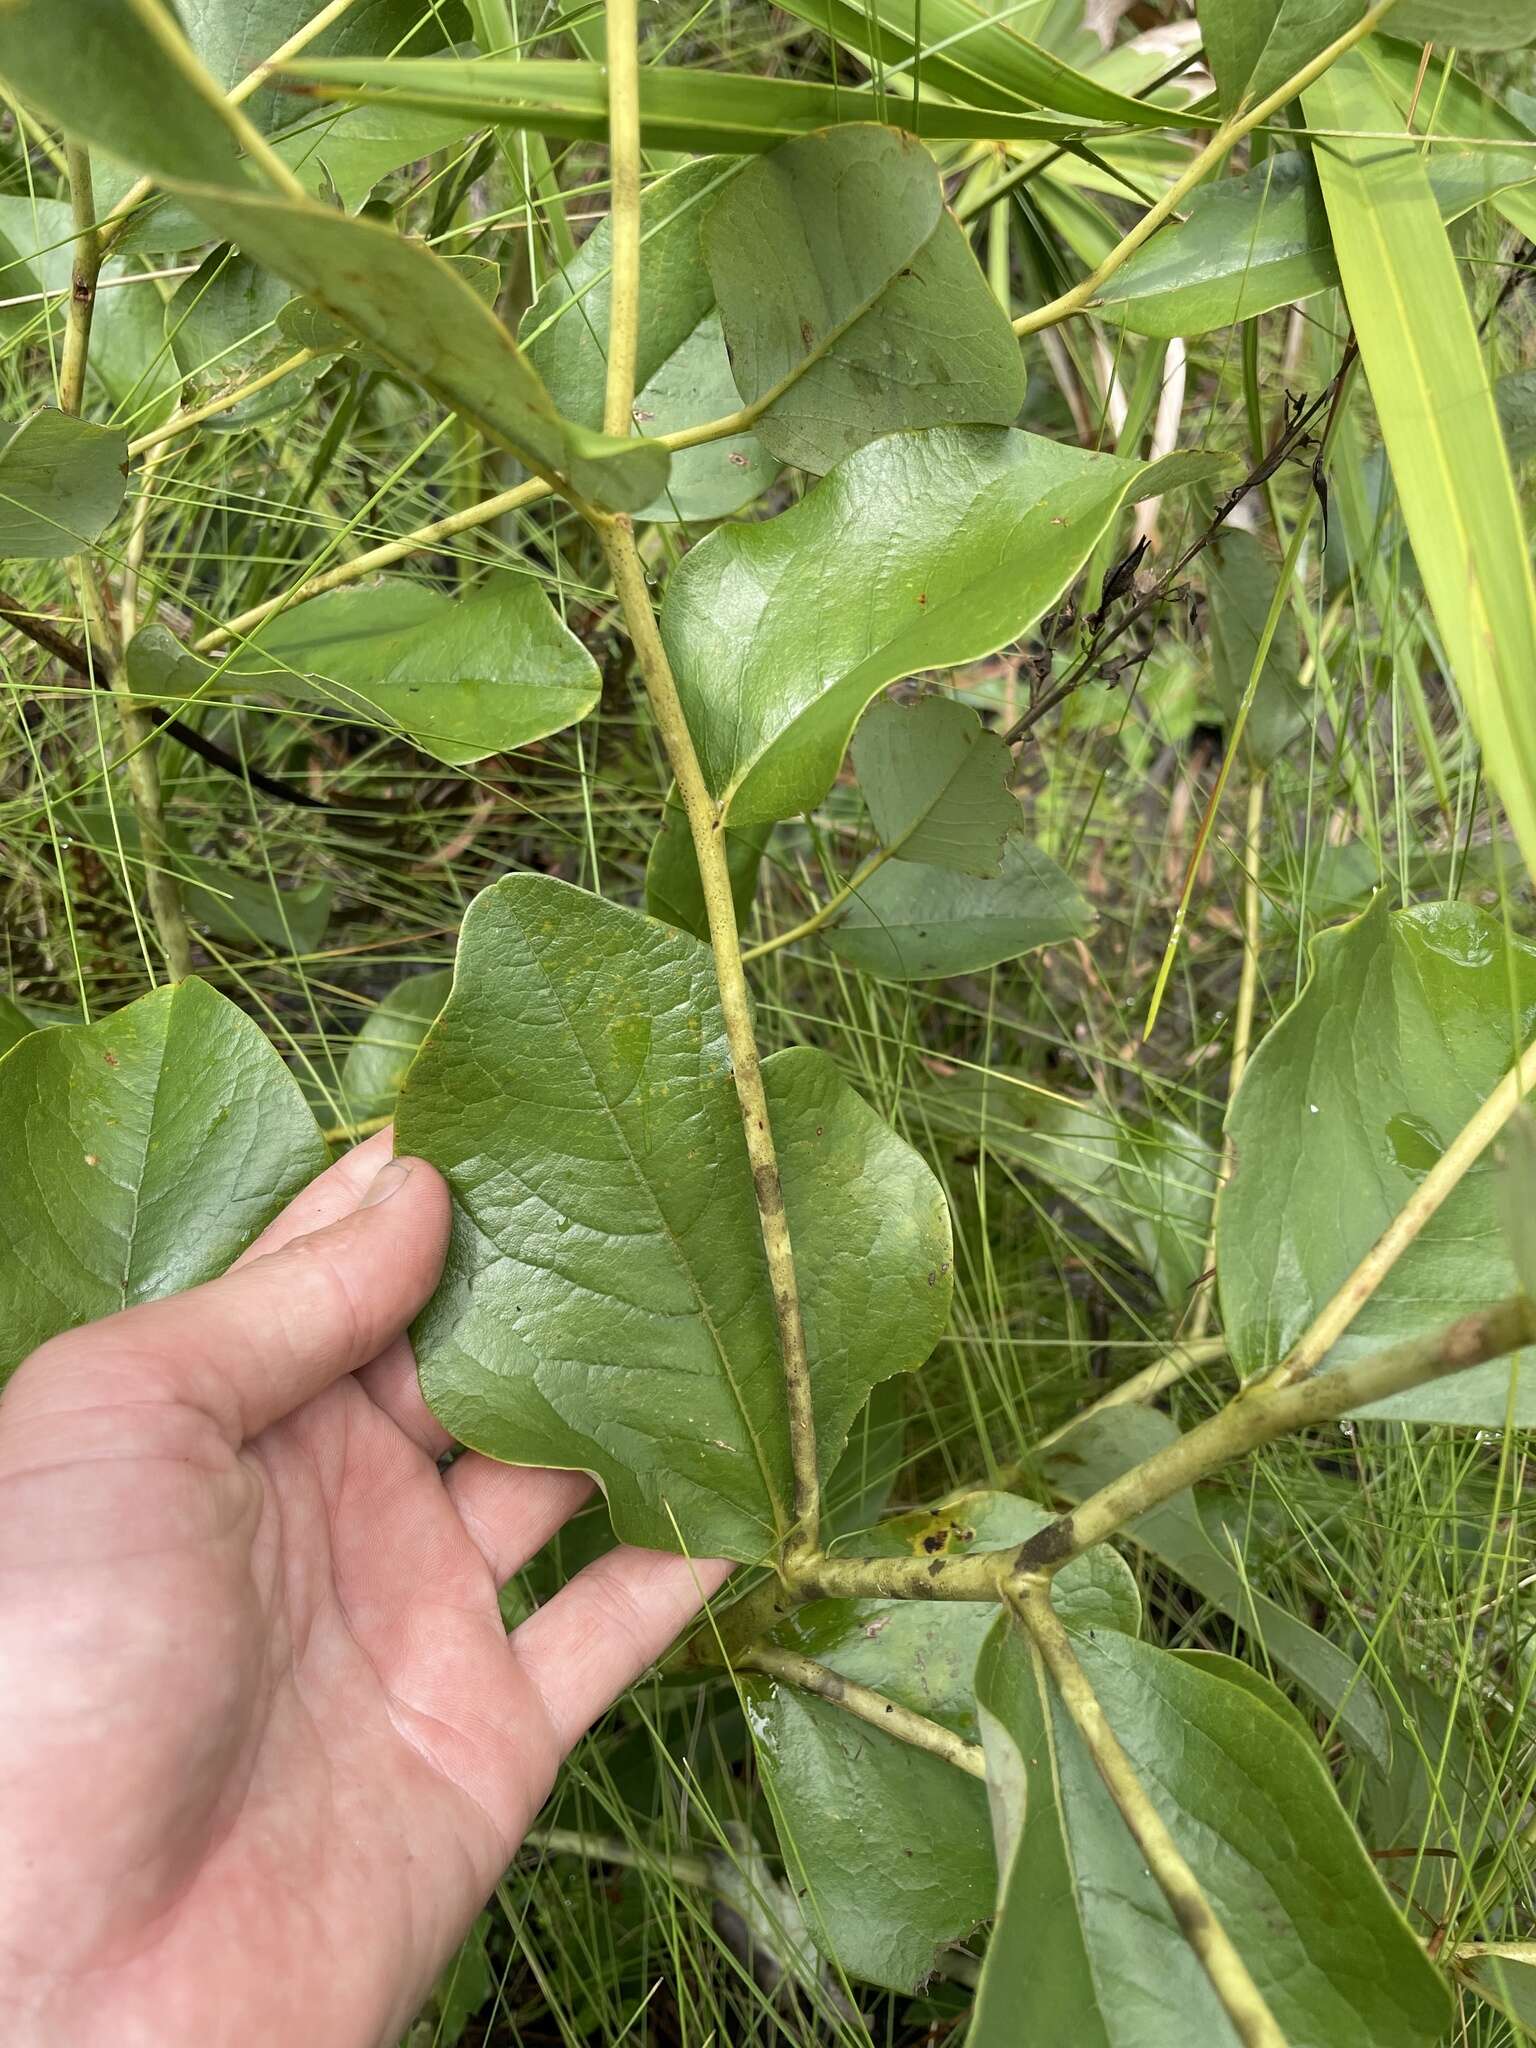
x,y
274,1331
390,1383
329,1196
511,1511
608,1625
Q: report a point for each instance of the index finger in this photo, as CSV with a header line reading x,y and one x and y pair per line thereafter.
x,y
329,1196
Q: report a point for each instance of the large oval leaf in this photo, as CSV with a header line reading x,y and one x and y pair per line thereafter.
x,y
890,1846
920,551
1250,243
141,1155
1086,1950
462,677
605,1303
872,314
1407,1022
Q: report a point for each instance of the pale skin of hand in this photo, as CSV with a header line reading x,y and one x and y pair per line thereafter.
x,y
265,1747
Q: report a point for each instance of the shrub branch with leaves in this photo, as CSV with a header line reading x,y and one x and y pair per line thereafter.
x,y
681,1265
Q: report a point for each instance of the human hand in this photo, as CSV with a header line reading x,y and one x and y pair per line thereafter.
x,y
264,1745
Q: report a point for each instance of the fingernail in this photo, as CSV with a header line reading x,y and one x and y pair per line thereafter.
x,y
386,1182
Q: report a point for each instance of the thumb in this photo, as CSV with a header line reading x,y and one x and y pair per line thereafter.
x,y
249,1348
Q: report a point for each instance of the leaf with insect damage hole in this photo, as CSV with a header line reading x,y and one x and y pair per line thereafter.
x,y
1406,1024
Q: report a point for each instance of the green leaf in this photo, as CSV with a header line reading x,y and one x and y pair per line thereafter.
x,y
15,1024
1465,24
1148,1182
142,1155
889,1844
1515,397
221,324
1439,423
115,73
462,677
937,784
242,903
1100,1448
1240,582
1505,1974
860,1488
733,114
913,923
1261,240
673,891
1517,1194
233,37
683,374
250,908
423,318
61,486
1246,244
920,551
605,1303
1254,46
380,1056
1086,1948
975,55
465,1984
872,315
1407,1022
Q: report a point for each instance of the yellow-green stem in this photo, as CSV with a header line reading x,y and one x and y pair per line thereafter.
x,y
1266,1409
1200,166
828,910
179,422
116,222
708,833
84,271
1252,2021
705,823
1464,1150
623,215
916,1730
